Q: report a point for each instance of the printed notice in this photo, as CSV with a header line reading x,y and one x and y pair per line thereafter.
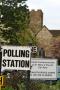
x,y
43,69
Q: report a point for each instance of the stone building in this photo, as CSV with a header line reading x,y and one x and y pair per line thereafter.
x,y
44,36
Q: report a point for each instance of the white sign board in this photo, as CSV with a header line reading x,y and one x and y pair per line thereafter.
x,y
44,69
16,57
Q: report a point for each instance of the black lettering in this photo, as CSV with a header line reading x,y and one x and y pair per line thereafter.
x,y
12,63
4,52
4,63
8,63
19,53
16,61
22,63
23,53
9,53
19,63
27,53
26,63
16,53
13,53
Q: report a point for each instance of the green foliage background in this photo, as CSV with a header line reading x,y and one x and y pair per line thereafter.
x,y
14,22
38,86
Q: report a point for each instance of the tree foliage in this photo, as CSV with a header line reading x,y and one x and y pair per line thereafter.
x,y
14,15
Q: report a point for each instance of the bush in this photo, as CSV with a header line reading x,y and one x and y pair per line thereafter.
x,y
8,88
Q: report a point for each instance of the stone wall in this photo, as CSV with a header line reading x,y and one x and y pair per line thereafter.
x,y
44,39
36,21
42,34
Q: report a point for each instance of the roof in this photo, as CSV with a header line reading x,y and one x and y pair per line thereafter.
x,y
55,32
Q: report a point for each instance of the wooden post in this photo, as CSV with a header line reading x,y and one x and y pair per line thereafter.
x,y
28,76
28,80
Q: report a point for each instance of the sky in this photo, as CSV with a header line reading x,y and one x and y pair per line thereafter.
x,y
51,11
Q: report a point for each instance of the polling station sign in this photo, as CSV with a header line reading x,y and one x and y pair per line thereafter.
x,y
16,57
43,69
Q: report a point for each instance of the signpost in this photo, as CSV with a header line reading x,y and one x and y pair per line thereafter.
x,y
1,81
43,69
16,57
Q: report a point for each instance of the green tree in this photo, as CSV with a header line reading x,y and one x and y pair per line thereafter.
x,y
8,88
14,16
